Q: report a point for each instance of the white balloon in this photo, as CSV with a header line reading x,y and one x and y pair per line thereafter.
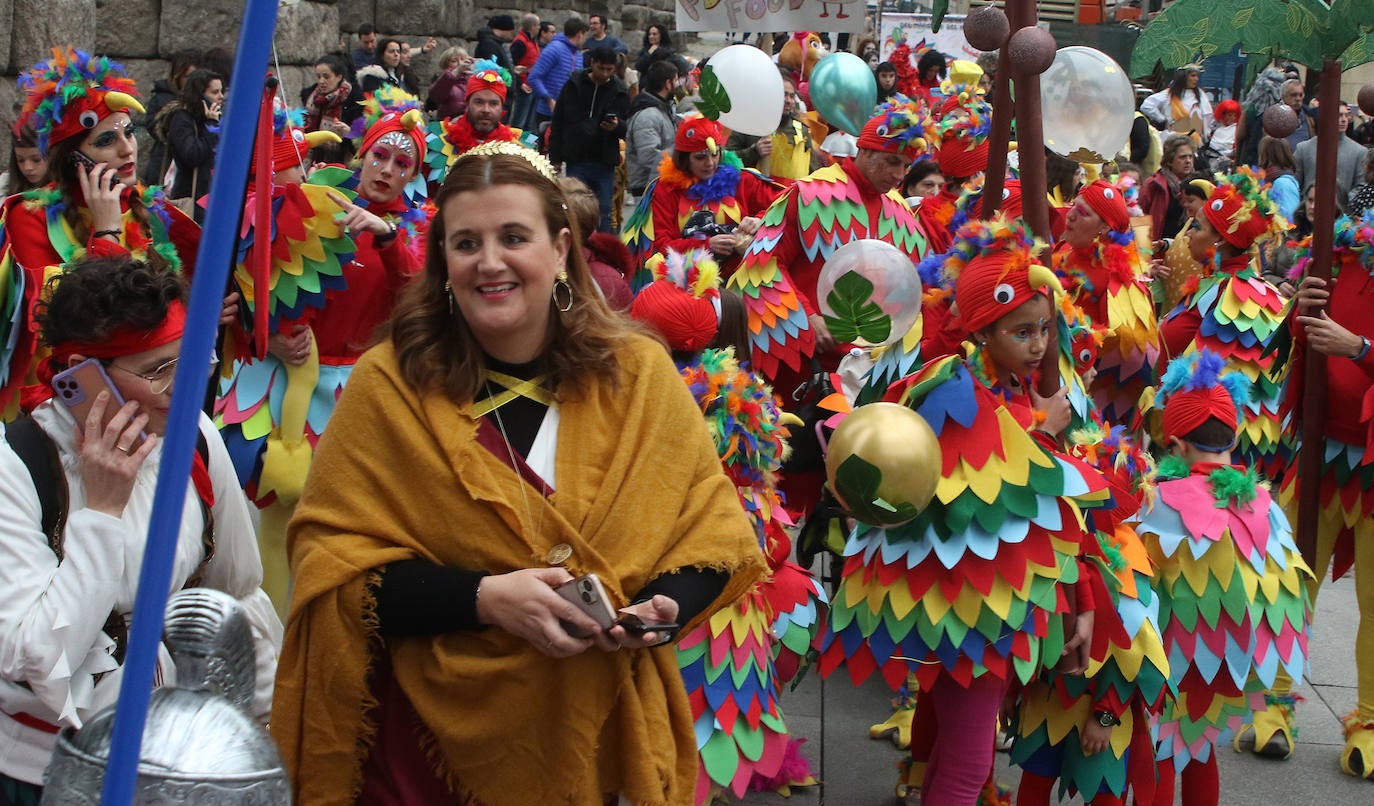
x,y
755,88
1088,105
896,285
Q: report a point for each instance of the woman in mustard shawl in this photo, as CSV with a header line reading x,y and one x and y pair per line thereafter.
x,y
511,435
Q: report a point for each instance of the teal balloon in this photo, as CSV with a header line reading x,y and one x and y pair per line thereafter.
x,y
844,91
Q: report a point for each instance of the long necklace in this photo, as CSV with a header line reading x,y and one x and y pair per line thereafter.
x,y
515,464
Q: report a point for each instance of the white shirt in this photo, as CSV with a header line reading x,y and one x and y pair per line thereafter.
x,y
52,644
1159,110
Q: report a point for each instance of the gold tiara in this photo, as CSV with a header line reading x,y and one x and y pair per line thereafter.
x,y
493,147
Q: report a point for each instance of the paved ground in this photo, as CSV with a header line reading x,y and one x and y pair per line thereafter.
x,y
833,716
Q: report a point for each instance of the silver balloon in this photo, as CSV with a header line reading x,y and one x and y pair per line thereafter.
x,y
1088,105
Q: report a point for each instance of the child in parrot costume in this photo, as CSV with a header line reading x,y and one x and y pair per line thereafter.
x,y
1233,588
969,595
735,663
1092,731
1102,269
1235,313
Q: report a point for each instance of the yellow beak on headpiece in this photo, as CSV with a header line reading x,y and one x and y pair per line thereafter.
x,y
321,137
413,120
121,101
711,145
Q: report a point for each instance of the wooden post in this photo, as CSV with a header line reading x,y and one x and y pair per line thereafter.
x,y
1030,146
1314,401
1000,139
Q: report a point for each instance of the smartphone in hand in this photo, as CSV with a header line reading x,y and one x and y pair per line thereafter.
x,y
634,625
589,595
77,388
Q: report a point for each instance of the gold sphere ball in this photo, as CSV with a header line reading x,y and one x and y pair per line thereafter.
x,y
883,463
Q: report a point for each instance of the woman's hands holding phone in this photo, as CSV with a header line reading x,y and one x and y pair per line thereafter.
x,y
111,457
523,603
102,189
658,610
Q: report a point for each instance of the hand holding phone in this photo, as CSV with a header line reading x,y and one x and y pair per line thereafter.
x,y
634,625
588,595
109,433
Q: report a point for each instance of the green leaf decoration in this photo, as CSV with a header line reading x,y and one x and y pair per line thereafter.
x,y
1307,31
714,99
937,14
856,316
857,483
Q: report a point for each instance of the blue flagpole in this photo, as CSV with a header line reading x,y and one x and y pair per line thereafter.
x,y
183,420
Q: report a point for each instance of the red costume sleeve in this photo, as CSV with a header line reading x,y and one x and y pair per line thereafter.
x,y
1177,331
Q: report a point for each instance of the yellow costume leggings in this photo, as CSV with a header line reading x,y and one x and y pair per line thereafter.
x,y
1329,526
276,572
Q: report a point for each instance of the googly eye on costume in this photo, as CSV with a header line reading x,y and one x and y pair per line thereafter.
x,y
881,131
1003,294
1217,205
1085,355
298,135
89,119
1109,194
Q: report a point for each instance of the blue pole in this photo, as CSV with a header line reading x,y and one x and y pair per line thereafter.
x,y
183,420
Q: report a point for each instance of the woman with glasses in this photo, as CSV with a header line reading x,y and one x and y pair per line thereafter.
x,y
1106,275
75,500
81,108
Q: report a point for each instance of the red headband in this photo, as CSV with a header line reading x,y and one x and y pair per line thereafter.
x,y
410,123
1224,212
487,80
125,341
992,286
959,159
1109,203
698,134
1185,410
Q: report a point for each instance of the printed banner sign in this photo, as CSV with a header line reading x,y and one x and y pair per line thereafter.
x,y
894,29
752,16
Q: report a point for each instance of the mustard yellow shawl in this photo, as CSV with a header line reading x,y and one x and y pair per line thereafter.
x,y
399,474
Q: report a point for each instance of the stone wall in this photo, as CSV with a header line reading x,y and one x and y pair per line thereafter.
x,y
143,34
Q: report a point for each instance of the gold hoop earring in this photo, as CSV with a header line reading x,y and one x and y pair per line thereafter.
x,y
448,292
560,283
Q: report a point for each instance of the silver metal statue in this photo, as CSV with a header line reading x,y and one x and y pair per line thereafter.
x,y
200,745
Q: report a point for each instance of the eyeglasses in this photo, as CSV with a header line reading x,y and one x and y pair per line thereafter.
x,y
109,137
161,379
1021,335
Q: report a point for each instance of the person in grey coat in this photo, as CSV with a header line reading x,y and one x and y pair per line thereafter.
x,y
1349,161
652,125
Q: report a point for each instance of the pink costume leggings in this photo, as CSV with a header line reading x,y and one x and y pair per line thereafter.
x,y
966,724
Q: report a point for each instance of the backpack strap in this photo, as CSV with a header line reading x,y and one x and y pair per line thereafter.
x,y
38,452
207,534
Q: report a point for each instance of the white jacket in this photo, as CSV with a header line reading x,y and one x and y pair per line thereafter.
x,y
52,646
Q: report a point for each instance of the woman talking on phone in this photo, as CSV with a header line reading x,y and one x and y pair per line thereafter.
x,y
76,493
429,656
189,140
81,107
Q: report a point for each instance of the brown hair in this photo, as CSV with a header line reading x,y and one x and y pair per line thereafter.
x,y
62,170
1275,152
582,204
434,346
1171,147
